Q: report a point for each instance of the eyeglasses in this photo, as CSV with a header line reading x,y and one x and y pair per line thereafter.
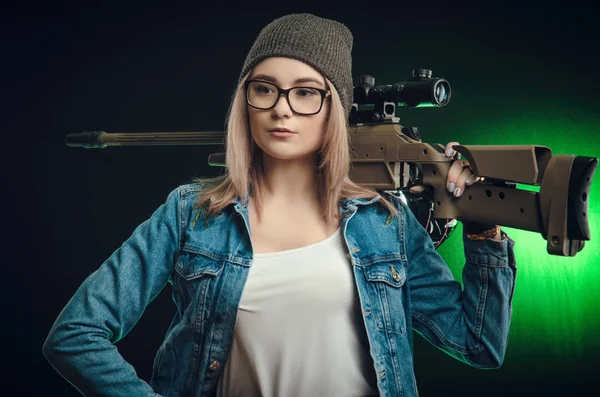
x,y
302,100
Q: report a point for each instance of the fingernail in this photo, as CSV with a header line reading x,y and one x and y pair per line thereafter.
x,y
451,187
449,152
469,180
457,192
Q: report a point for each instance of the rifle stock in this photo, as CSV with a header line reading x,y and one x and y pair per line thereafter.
x,y
559,212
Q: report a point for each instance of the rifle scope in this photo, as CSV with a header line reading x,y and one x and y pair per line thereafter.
x,y
421,91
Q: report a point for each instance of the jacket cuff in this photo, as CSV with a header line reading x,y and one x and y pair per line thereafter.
x,y
490,252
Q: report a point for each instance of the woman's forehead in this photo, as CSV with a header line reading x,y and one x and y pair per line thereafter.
x,y
286,70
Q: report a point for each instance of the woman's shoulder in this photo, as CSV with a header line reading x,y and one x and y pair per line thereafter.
x,y
184,196
191,195
186,191
189,189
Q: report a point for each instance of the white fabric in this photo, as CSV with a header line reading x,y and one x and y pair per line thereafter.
x,y
299,330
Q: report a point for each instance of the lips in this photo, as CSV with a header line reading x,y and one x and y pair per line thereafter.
x,y
281,130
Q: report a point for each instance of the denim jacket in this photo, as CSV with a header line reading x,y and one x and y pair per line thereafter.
x,y
402,284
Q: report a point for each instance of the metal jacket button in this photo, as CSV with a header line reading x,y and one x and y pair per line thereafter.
x,y
355,249
214,365
395,274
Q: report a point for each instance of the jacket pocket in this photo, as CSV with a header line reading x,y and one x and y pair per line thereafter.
x,y
387,280
194,285
191,264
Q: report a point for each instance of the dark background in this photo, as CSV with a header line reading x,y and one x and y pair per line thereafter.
x,y
73,67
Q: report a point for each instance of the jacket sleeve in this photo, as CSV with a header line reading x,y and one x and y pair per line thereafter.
x,y
470,322
109,302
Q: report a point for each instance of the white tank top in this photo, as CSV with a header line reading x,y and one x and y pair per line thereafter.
x,y
299,330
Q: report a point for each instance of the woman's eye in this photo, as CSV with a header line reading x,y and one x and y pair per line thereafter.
x,y
306,92
263,89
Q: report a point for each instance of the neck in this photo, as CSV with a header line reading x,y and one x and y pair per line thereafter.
x,y
290,181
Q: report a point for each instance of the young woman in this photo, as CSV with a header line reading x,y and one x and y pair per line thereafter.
x,y
289,279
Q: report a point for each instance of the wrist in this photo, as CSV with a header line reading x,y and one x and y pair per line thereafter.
x,y
481,231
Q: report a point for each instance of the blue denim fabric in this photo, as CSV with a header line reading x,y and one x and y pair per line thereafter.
x,y
402,283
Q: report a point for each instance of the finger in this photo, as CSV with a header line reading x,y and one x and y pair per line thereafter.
x,y
472,179
453,174
449,150
461,181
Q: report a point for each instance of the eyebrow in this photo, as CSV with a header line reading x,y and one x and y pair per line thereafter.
x,y
300,80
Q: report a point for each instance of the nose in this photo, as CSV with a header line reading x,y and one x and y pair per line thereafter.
x,y
282,106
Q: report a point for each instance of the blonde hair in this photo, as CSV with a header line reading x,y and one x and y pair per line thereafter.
x,y
244,164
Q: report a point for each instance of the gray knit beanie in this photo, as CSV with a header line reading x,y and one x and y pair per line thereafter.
x,y
324,44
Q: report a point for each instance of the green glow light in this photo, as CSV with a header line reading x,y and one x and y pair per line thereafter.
x,y
556,303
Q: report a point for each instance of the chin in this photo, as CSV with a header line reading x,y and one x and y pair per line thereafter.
x,y
290,154
279,155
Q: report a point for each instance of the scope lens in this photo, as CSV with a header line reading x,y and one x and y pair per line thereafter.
x,y
441,92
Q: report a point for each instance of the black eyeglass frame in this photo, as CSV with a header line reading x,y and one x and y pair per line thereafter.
x,y
324,94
